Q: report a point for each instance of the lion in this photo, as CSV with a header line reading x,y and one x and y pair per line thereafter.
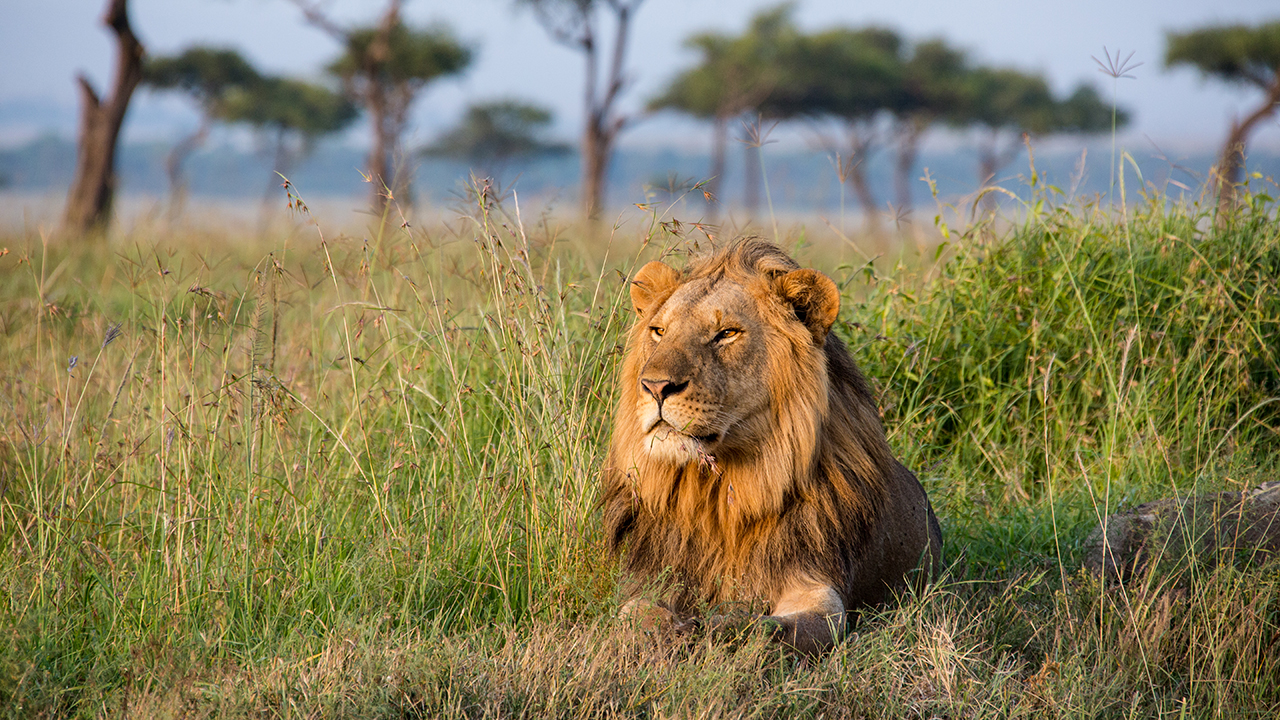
x,y
748,467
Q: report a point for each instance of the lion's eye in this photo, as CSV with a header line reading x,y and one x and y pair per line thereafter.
x,y
726,334
656,332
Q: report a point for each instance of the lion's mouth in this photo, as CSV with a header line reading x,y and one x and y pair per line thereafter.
x,y
662,428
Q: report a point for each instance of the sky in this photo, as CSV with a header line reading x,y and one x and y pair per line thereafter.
x,y
44,43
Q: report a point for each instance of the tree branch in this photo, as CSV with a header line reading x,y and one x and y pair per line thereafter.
x,y
616,81
314,15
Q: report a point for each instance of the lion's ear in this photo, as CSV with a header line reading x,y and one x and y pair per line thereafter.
x,y
815,299
654,279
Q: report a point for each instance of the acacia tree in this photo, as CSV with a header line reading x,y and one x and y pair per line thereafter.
x,y
576,24
93,186
384,68
208,75
494,133
1007,104
853,76
735,75
291,115
932,91
1239,55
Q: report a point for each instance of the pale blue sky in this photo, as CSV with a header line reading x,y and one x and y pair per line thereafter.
x,y
44,42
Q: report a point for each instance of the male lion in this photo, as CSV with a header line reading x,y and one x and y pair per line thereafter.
x,y
748,465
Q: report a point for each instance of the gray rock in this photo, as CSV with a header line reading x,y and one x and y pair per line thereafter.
x,y
1244,526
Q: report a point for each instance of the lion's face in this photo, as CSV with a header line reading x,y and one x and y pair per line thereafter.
x,y
707,355
700,386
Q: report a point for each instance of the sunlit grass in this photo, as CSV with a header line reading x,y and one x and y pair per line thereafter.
x,y
356,475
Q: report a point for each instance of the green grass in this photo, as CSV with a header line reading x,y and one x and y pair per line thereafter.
x,y
357,475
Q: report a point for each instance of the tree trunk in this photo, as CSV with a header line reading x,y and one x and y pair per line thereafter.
x,y
1230,170
991,159
909,133
595,164
93,188
751,178
862,189
859,141
173,167
719,145
380,116
279,166
603,123
378,165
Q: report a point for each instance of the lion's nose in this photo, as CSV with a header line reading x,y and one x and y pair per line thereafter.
x,y
662,389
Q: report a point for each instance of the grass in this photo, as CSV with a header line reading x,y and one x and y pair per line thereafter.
x,y
356,475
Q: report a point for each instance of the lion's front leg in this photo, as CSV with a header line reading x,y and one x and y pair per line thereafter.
x,y
650,616
810,616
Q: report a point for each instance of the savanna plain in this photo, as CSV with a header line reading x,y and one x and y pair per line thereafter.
x,y
327,474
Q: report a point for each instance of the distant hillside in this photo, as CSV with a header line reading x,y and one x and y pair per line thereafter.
x,y
797,181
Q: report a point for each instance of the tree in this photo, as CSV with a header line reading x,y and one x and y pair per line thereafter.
x,y
853,76
1239,55
1007,104
1085,112
93,187
384,68
292,115
575,24
735,75
208,75
492,134
932,90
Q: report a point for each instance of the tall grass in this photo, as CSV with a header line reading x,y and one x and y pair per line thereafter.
x,y
357,475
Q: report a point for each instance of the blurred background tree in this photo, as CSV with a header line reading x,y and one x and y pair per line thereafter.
x,y
932,90
93,187
290,116
734,75
208,75
1238,55
576,24
1003,105
852,76
1008,107
492,134
384,69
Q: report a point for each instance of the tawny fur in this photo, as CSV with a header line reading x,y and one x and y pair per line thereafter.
x,y
778,488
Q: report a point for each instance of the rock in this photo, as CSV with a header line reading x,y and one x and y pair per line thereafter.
x,y
1244,525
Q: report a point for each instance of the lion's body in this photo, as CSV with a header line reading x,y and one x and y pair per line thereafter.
x,y
748,464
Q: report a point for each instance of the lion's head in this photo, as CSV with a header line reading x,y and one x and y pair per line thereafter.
x,y
728,365
705,351
747,453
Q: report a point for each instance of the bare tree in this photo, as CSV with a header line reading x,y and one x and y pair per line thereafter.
x,y
575,24
93,188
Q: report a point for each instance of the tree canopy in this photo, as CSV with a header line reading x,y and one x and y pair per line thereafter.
x,y
495,132
205,73
1232,53
734,73
410,59
874,84
287,104
846,73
